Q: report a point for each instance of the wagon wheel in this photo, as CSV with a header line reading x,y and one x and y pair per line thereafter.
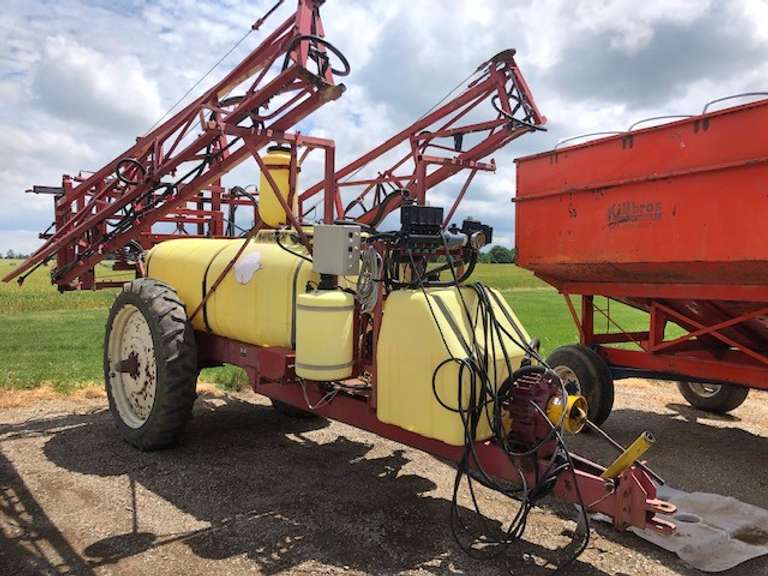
x,y
150,364
584,372
717,398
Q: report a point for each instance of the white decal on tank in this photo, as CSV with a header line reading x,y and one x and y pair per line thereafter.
x,y
246,266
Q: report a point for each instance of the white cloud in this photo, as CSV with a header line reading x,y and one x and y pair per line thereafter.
x,y
11,93
21,145
630,23
756,11
34,158
75,82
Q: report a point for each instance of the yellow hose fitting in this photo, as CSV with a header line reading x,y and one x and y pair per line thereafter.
x,y
630,455
575,412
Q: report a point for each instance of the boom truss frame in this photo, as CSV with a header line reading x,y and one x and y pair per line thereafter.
x,y
429,161
103,213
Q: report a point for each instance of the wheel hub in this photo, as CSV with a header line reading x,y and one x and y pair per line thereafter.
x,y
133,370
569,379
704,390
130,365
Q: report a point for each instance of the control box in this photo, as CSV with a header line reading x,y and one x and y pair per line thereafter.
x,y
426,220
336,249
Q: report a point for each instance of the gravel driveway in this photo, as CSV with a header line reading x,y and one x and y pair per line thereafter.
x,y
251,492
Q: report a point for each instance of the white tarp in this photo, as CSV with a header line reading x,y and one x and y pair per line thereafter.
x,y
714,532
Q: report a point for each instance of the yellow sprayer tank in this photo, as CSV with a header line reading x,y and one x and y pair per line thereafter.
x,y
179,263
325,335
255,303
412,343
271,212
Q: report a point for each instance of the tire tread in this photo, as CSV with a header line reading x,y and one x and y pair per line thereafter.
x,y
178,355
727,399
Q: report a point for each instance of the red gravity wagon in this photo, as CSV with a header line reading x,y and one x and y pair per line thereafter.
x,y
669,220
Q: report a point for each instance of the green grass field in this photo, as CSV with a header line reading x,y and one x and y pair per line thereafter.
x,y
56,339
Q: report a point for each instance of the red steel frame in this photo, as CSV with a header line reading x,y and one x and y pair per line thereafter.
x,y
81,241
704,353
91,210
212,215
500,82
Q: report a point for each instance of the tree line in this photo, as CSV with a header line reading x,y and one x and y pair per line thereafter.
x,y
498,255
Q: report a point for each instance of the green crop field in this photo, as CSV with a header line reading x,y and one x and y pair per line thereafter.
x,y
56,339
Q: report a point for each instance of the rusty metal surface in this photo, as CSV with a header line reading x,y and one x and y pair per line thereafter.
x,y
182,159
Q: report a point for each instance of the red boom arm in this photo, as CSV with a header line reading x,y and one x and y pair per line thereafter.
x,y
429,160
156,177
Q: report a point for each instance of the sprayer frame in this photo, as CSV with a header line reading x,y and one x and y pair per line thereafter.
x,y
630,500
87,204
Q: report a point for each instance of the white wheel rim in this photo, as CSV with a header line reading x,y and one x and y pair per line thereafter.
x,y
132,367
704,390
569,379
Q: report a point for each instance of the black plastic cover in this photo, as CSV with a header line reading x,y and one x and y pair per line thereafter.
x,y
416,219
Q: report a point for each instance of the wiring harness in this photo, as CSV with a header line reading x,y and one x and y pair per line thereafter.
x,y
511,401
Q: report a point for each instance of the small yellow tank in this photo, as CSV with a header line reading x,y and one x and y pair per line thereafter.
x,y
324,324
271,212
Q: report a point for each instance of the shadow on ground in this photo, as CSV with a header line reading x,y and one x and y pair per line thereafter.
x,y
694,451
30,543
269,491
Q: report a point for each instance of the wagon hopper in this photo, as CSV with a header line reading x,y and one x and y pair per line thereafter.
x,y
668,220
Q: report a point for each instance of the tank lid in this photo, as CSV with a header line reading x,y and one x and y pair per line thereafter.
x,y
279,148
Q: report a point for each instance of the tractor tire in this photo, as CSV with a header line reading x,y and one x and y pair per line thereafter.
x,y
584,372
150,364
716,398
288,410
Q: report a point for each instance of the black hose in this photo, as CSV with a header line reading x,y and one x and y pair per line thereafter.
x,y
297,254
380,214
477,371
318,56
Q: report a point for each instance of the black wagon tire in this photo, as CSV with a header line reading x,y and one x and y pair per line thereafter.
x,y
716,398
291,412
150,364
584,372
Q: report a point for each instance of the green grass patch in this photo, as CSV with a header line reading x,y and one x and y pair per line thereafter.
x,y
230,378
60,347
37,294
47,337
506,277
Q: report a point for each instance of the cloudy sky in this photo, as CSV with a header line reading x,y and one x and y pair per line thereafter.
x,y
80,79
